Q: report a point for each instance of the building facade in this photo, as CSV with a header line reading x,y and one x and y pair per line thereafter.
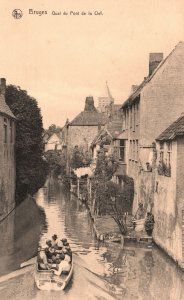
x,y
7,155
85,126
169,191
152,106
109,138
54,142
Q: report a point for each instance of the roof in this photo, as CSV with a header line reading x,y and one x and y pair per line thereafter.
x,y
175,130
113,128
4,108
55,133
89,118
137,91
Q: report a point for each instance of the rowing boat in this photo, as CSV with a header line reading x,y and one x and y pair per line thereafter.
x,y
46,280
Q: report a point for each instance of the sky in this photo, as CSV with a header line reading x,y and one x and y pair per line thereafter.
x,y
62,59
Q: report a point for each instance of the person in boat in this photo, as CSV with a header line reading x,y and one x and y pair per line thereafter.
x,y
60,247
42,259
56,259
63,267
67,249
54,241
64,241
49,250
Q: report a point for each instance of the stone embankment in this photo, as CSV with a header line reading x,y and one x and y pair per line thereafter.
x,y
107,229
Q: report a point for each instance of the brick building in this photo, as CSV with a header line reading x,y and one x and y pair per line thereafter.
x,y
151,107
7,159
85,126
110,139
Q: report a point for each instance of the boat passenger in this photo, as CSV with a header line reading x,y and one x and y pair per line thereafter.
x,y
49,243
64,240
42,259
60,247
56,259
49,250
54,241
67,257
67,249
64,267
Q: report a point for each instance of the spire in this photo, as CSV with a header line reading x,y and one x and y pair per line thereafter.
x,y
108,92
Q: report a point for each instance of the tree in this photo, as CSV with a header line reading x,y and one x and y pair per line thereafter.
x,y
57,162
53,129
109,197
79,158
31,168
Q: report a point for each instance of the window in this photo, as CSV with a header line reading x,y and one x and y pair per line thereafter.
x,y
124,120
164,166
130,117
134,116
5,130
122,150
169,151
133,154
130,151
161,151
137,114
136,150
11,131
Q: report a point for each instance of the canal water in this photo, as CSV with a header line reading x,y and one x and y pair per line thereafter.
x,y
101,270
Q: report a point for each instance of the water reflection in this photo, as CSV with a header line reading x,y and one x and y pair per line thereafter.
x,y
20,233
102,270
132,273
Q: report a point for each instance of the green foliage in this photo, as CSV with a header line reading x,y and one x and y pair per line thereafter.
x,y
31,169
57,162
79,158
105,167
53,129
109,197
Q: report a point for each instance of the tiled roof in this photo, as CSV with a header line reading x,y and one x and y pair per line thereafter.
x,y
174,130
114,127
89,118
4,108
137,92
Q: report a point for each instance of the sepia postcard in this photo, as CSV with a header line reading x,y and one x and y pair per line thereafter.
x,y
92,149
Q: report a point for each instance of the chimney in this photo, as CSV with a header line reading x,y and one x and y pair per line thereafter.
x,y
2,86
154,61
89,104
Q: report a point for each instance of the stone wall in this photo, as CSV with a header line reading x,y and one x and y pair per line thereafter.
x,y
168,222
161,101
81,136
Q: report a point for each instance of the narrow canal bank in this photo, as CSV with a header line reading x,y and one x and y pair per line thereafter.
x,y
102,270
